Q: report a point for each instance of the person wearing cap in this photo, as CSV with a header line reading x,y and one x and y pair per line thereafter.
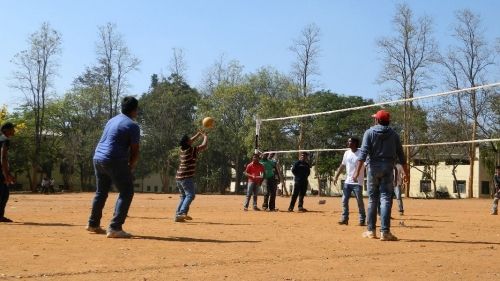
x,y
185,173
380,150
115,159
300,170
6,178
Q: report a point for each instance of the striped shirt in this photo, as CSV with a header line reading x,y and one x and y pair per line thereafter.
x,y
187,164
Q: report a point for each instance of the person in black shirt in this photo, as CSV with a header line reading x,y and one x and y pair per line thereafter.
x,y
301,170
6,179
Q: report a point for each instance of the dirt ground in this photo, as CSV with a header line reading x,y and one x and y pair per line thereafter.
x,y
439,240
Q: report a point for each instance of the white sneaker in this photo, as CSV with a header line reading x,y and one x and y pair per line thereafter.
x,y
369,234
118,234
97,230
387,236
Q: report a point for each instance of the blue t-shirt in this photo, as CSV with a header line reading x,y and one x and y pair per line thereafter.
x,y
120,132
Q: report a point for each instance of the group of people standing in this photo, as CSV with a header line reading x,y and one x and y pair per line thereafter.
x,y
264,171
117,153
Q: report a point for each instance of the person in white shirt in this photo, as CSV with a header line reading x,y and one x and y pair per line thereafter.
x,y
398,182
349,163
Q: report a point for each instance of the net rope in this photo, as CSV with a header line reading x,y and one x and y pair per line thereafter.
x,y
384,103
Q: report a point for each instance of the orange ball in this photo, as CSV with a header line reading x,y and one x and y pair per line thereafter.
x,y
208,122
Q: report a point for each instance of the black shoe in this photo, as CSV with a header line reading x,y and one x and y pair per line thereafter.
x,y
255,208
362,223
273,210
290,209
302,210
344,222
4,219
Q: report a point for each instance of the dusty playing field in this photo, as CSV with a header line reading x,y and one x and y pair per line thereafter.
x,y
440,240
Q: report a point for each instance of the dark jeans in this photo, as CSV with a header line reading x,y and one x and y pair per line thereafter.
x,y
299,190
118,173
269,186
4,197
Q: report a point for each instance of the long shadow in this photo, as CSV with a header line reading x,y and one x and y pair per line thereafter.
x,y
451,242
188,239
413,226
408,219
214,223
308,211
148,218
45,224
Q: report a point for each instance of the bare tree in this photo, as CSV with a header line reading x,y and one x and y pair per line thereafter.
x,y
36,68
307,50
467,66
409,57
115,61
178,63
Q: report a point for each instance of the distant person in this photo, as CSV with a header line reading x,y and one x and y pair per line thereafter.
x,y
381,149
45,185
269,183
115,159
301,170
255,173
398,186
185,173
496,182
6,178
351,185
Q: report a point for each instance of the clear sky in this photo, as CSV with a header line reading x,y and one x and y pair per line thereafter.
x,y
255,32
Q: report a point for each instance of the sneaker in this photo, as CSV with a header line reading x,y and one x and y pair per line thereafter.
x,y
245,209
387,236
117,234
188,218
264,208
302,210
4,219
362,223
96,230
255,208
343,222
494,213
290,209
180,218
369,234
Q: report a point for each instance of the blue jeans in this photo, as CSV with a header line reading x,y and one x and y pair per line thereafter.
x,y
358,192
397,194
4,197
106,173
187,189
380,191
252,189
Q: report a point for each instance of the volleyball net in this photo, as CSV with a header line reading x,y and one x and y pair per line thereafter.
x,y
435,120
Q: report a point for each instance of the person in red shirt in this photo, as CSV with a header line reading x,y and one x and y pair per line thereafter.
x,y
255,173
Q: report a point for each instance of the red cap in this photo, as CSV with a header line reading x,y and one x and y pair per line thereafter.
x,y
382,115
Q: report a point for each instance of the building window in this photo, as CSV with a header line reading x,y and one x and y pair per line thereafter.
x,y
156,188
485,187
148,189
459,186
425,186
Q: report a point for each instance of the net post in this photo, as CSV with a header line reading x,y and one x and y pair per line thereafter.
x,y
258,122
